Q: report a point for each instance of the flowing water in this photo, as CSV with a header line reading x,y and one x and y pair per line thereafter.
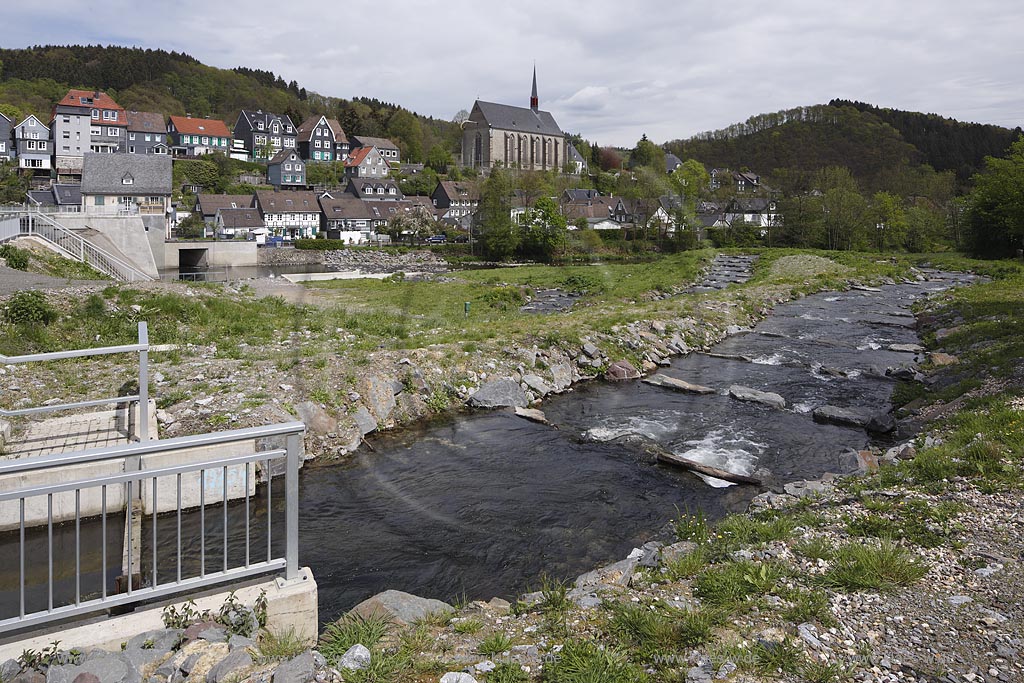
x,y
484,504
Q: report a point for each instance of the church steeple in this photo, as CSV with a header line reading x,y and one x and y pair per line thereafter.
x,y
534,102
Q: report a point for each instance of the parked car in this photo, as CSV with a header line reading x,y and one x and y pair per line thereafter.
x,y
437,239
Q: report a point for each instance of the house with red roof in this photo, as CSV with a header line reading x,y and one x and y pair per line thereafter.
x,y
86,121
366,162
193,137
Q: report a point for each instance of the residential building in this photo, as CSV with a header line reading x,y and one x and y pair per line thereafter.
x,y
6,138
146,133
322,139
265,134
86,121
577,164
286,170
346,218
192,137
741,182
207,205
291,214
231,223
32,145
58,197
672,162
515,137
384,189
387,149
132,184
756,211
579,194
456,198
366,162
239,151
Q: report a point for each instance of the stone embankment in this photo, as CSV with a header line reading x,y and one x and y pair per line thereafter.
x,y
364,260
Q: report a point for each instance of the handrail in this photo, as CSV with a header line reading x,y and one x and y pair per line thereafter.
x,y
142,348
75,246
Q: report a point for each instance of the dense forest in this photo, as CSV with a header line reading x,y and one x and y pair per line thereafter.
x,y
33,79
876,145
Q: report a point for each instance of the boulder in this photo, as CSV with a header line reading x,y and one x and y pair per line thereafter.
x,y
848,417
109,668
677,384
379,396
561,376
591,351
457,677
229,667
671,553
533,415
881,423
906,348
621,370
317,420
940,359
741,393
364,421
499,393
402,608
537,384
355,658
300,669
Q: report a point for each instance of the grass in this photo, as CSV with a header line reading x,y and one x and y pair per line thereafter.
x,y
783,657
507,672
278,646
883,566
585,662
350,630
729,585
494,644
468,626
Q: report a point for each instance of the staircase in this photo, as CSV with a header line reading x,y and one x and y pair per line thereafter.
x,y
28,223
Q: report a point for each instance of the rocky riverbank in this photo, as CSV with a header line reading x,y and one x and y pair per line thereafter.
x,y
364,260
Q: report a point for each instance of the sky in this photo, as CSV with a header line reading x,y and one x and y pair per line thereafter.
x,y
610,70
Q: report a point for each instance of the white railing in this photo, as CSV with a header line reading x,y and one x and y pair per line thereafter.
x,y
35,224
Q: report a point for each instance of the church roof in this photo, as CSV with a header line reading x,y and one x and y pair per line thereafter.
x,y
519,119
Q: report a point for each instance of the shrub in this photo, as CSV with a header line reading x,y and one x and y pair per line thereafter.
x,y
29,307
504,297
16,258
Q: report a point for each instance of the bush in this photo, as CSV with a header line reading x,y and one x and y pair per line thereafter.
x,y
504,297
16,258
321,244
29,307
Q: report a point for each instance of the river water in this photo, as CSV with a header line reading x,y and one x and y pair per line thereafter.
x,y
485,504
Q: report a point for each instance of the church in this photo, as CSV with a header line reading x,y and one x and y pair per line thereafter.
x,y
514,137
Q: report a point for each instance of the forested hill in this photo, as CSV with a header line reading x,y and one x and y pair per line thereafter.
x,y
946,144
789,145
33,79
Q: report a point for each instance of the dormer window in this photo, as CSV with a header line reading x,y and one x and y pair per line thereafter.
x,y
259,125
96,114
127,179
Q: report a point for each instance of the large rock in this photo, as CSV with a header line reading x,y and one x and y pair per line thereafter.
x,y
402,608
677,384
906,348
561,376
621,370
499,393
741,393
940,359
109,668
881,423
457,677
537,385
379,396
848,417
364,420
317,420
228,668
355,658
299,669
533,415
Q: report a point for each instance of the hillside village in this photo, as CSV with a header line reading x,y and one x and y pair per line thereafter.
x,y
314,179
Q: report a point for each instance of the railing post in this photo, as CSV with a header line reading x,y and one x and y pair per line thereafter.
x,y
291,504
144,381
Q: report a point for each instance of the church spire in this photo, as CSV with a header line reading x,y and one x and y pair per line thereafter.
x,y
534,102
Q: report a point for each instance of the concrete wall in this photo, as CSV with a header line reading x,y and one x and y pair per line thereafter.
x,y
127,234
220,253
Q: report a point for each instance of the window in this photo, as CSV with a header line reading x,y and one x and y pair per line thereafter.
x,y
131,136
206,140
259,125
95,130
391,190
316,155
42,144
96,114
31,144
327,156
100,200
67,119
317,144
156,138
3,146
276,142
66,135
109,115
128,180
131,149
148,137
287,167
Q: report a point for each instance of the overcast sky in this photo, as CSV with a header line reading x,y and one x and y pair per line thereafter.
x,y
609,70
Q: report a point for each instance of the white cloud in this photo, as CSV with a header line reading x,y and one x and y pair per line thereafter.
x,y
606,70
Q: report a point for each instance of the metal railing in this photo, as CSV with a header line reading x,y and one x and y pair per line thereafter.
x,y
74,246
182,470
141,398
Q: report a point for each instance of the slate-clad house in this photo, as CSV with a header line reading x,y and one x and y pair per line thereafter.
x,y
577,164
191,137
132,184
384,189
388,150
322,139
286,170
457,198
292,214
264,133
146,133
345,218
366,162
60,197
207,205
6,138
32,144
232,223
86,121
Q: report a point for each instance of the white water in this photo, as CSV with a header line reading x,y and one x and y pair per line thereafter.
x,y
653,425
725,450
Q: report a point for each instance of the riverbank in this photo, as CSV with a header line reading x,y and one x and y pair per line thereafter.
x,y
805,587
